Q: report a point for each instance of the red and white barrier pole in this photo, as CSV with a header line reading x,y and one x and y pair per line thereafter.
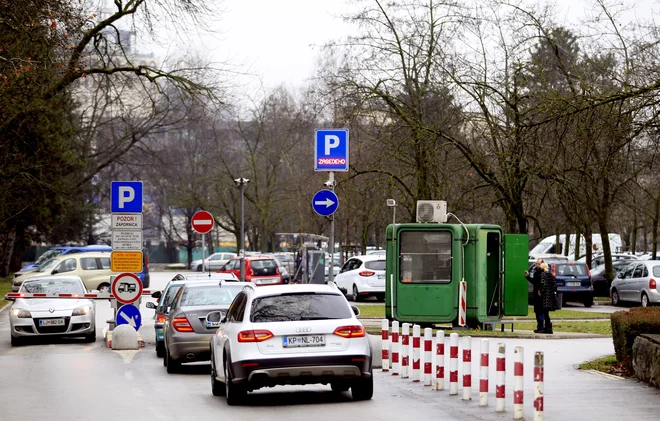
x,y
467,368
395,348
483,378
538,386
440,360
500,377
416,354
453,364
405,350
385,326
518,358
462,304
428,356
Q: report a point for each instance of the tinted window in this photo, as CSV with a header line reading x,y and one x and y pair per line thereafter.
x,y
54,286
299,306
68,265
88,263
208,295
638,271
169,296
627,272
375,265
645,272
574,269
237,309
425,257
105,262
263,267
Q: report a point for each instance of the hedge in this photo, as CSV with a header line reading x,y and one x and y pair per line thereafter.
x,y
627,325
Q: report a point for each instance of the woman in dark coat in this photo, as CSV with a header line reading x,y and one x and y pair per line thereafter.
x,y
535,280
548,296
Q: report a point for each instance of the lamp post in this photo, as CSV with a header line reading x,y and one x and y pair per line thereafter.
x,y
392,204
242,182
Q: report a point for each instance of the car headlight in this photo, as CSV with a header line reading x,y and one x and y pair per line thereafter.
x,y
20,313
82,310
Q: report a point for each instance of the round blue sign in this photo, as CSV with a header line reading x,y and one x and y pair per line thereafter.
x,y
325,202
129,314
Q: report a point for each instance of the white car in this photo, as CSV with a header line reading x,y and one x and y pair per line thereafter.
x,y
290,334
37,317
363,276
214,261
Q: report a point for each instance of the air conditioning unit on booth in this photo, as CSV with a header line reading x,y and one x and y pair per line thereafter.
x,y
431,211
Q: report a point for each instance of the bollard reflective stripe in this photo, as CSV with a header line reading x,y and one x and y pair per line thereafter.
x,y
467,368
428,356
518,358
405,350
500,377
416,354
385,345
395,348
453,364
483,378
440,360
538,386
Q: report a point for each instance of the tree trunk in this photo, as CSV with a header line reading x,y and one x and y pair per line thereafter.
x,y
588,245
607,251
7,251
578,238
654,232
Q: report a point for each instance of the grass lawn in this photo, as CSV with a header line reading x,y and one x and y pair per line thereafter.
x,y
597,327
608,365
5,287
378,312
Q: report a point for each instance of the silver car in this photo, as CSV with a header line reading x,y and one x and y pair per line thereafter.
x,y
37,317
638,283
187,331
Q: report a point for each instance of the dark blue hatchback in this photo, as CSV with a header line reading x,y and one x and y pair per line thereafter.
x,y
574,282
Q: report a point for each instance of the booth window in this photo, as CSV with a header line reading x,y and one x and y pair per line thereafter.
x,y
425,257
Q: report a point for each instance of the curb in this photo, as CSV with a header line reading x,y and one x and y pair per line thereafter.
x,y
107,334
5,308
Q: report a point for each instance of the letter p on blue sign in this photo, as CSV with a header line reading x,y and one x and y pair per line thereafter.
x,y
126,196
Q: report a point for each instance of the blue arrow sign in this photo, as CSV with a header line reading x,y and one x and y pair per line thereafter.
x,y
128,314
325,202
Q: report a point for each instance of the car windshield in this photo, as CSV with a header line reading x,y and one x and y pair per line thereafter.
x,y
209,295
47,255
263,267
375,265
577,269
53,286
299,306
169,296
46,267
541,247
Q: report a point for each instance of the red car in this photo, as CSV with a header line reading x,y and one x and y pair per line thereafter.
x,y
258,270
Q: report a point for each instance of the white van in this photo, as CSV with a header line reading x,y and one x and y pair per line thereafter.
x,y
547,245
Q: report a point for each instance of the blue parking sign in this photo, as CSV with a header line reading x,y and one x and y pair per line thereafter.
x,y
331,150
126,196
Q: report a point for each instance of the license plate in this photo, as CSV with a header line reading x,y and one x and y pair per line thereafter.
x,y
573,284
212,324
51,322
305,340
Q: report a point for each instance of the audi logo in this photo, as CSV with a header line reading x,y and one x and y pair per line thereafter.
x,y
303,329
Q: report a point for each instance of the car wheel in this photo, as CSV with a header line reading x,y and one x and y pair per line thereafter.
x,y
16,341
233,392
91,337
339,387
172,364
616,301
104,287
589,301
160,349
363,389
356,296
199,268
645,300
217,388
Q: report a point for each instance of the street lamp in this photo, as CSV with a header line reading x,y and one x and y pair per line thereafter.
x,y
392,204
242,182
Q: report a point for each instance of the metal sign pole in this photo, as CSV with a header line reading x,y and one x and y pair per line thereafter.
x,y
203,249
331,246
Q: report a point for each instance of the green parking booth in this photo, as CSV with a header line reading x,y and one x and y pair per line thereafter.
x,y
426,263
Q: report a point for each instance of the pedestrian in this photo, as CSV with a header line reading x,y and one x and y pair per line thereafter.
x,y
548,296
535,279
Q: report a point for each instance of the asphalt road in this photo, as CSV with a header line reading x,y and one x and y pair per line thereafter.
x,y
68,380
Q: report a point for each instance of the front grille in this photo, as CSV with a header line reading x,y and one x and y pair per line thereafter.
x,y
52,329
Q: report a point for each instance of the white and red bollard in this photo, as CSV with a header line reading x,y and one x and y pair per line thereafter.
x,y
386,346
405,350
395,348
416,354
538,386
462,304
428,357
500,377
483,373
467,368
440,360
518,383
453,364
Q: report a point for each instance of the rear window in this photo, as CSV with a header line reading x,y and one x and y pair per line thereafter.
x,y
55,286
209,295
577,269
300,306
375,265
263,267
656,270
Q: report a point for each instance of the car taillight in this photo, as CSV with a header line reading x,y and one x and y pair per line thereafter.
x,y
367,273
350,331
181,324
652,284
554,270
161,318
254,335
146,263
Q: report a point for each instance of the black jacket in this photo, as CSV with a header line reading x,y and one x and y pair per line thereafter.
x,y
536,287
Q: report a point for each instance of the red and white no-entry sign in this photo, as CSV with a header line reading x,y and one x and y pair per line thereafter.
x,y
127,288
202,222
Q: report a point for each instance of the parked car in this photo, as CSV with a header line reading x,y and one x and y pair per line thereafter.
x,y
288,261
166,299
188,330
38,317
59,251
573,282
599,259
286,276
291,334
637,283
259,270
214,261
363,276
601,286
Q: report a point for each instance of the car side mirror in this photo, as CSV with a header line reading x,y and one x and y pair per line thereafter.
x,y
156,295
215,317
356,310
151,305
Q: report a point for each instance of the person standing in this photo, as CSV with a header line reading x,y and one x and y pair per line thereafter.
x,y
548,296
535,279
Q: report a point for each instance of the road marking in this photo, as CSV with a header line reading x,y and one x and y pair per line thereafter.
x,y
606,375
127,354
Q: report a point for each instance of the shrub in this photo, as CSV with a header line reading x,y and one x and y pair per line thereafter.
x,y
627,325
